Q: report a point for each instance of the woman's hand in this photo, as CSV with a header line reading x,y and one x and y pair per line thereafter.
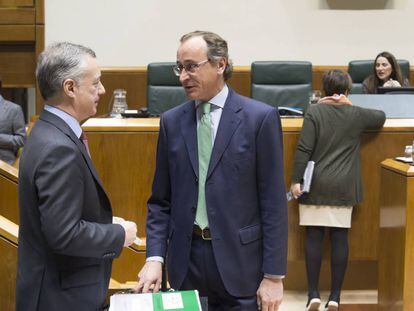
x,y
392,83
296,191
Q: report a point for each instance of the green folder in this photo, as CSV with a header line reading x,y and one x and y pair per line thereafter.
x,y
180,300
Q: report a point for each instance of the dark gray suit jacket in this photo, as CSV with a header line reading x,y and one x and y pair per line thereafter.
x,y
12,130
66,237
245,194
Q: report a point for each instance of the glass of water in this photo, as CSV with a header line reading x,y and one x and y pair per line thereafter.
x,y
314,97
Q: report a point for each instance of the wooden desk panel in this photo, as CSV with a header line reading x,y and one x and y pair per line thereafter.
x,y
125,162
8,272
396,246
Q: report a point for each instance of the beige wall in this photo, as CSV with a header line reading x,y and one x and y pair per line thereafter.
x,y
136,32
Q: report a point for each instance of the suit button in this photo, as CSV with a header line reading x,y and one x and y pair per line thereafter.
x,y
193,209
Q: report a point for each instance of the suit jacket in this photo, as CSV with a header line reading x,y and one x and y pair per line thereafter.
x,y
245,194
66,237
12,130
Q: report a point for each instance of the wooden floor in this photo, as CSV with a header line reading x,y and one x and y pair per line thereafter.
x,y
350,301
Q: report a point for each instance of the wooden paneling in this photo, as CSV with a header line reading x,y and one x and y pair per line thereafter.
x,y
20,33
396,254
126,267
40,12
17,16
9,205
8,263
19,46
240,81
128,189
17,65
39,47
6,3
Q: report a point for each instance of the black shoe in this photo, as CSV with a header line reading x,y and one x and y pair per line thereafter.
x,y
313,304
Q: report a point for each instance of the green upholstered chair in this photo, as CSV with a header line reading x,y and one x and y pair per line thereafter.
x,y
282,83
164,90
360,69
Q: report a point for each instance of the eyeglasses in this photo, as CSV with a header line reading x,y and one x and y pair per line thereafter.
x,y
189,67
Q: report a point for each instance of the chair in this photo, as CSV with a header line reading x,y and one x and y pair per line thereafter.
x,y
164,90
282,83
360,69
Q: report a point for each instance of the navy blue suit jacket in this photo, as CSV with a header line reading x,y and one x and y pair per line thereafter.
x,y
245,194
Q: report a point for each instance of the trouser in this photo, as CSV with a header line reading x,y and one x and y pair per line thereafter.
x,y
204,276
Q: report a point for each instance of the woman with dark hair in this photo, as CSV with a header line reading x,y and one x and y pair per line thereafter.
x,y
330,137
386,72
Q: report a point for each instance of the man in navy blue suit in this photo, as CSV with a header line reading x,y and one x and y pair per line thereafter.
x,y
218,214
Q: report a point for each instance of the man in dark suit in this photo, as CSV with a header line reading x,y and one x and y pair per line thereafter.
x,y
12,130
218,211
67,240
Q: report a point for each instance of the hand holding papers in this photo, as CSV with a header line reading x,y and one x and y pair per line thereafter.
x,y
297,190
130,228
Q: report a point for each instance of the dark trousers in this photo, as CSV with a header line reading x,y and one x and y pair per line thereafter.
x,y
204,276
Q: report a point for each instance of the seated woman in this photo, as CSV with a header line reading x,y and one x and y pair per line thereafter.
x,y
386,73
330,137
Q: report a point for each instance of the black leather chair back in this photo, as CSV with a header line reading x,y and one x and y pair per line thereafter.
x,y
164,90
360,69
282,83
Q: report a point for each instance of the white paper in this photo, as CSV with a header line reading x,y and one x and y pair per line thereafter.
x,y
131,302
307,176
172,301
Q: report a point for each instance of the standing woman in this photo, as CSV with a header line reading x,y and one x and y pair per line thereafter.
x,y
386,72
330,136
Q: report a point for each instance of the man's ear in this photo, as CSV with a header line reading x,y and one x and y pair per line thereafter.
x,y
69,87
221,65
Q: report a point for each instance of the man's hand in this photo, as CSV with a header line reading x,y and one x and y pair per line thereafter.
x,y
151,273
296,191
270,294
130,228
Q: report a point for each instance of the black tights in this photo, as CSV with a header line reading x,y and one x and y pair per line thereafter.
x,y
339,258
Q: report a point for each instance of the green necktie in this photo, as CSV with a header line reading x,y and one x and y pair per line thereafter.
x,y
204,153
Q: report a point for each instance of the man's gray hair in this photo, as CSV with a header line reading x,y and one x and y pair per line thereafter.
x,y
216,48
58,62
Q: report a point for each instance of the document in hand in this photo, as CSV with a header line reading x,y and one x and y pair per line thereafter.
x,y
307,180
307,176
180,300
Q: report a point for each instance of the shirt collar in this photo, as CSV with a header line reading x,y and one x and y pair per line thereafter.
x,y
219,100
69,120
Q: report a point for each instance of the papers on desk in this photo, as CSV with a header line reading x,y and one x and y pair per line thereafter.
x,y
307,180
404,159
182,300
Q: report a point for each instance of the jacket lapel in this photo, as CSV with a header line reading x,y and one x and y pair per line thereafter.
x,y
188,125
63,127
228,124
